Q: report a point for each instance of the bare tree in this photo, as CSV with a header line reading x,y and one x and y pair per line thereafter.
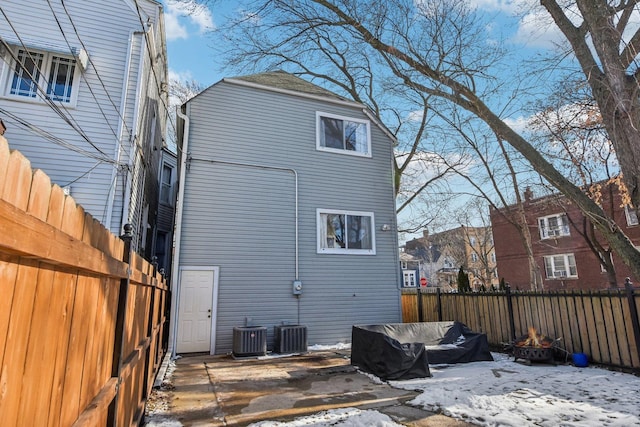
x,y
449,75
606,43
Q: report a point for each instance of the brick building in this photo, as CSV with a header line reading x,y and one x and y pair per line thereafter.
x,y
561,250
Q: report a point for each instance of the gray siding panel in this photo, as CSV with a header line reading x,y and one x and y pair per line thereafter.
x,y
242,218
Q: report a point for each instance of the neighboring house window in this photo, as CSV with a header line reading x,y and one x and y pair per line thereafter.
x,y
165,184
343,134
602,267
345,232
474,258
472,241
493,257
403,265
554,226
409,279
632,215
35,71
447,263
560,266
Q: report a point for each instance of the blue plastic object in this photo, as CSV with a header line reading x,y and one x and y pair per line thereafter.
x,y
580,360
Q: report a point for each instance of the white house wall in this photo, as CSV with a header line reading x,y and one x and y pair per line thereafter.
x,y
105,28
242,218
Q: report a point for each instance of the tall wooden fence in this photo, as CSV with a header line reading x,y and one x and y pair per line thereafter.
x,y
605,325
81,315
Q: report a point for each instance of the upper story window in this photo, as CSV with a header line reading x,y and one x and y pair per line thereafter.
x,y
560,266
36,74
554,226
345,232
474,257
631,214
343,134
166,184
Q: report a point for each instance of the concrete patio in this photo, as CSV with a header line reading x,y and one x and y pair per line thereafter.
x,y
222,391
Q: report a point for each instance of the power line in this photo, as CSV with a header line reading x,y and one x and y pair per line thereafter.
x,y
98,104
75,30
59,141
41,92
153,70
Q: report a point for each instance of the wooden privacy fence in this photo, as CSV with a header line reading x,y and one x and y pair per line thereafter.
x,y
81,315
605,324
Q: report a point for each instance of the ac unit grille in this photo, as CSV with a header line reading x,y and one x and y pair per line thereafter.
x,y
290,339
249,341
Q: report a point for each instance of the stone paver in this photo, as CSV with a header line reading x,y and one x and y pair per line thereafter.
x,y
223,391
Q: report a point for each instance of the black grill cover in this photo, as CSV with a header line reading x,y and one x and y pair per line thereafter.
x,y
401,351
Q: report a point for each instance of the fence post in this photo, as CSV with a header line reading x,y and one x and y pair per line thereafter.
x,y
119,334
512,325
633,311
420,315
439,294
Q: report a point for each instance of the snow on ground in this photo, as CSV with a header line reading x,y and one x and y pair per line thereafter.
x,y
505,393
500,393
346,417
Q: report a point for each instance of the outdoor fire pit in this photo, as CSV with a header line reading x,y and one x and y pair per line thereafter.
x,y
534,347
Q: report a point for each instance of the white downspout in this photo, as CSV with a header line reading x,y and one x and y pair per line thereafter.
x,y
117,155
177,234
126,211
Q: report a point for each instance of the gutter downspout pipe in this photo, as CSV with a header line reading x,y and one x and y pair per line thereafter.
x,y
177,232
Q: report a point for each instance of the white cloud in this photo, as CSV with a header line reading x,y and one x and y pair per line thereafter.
x,y
519,124
173,28
177,11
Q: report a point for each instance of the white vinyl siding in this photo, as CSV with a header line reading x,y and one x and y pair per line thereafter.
x,y
554,226
344,135
243,218
560,266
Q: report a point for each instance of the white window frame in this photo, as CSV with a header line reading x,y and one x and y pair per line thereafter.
x,y
166,187
409,279
322,233
320,147
562,229
568,269
42,87
632,216
474,257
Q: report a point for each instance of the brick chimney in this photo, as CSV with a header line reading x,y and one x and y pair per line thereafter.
x,y
528,194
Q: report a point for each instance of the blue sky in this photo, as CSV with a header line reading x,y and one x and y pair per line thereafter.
x,y
192,58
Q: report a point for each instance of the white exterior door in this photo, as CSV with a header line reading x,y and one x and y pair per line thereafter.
x,y
197,309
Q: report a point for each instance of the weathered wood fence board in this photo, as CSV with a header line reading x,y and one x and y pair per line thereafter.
x,y
605,324
66,284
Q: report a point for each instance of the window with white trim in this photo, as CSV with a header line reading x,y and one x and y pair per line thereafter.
x,y
554,226
474,257
560,266
632,215
409,279
342,232
34,72
341,134
166,184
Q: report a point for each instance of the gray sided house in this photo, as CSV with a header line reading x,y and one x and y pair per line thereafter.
x,y
83,95
286,215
